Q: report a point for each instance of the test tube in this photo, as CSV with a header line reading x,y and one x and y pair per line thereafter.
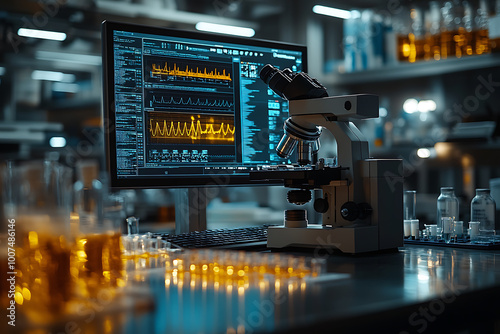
x,y
409,204
407,228
431,231
415,229
458,230
474,231
447,223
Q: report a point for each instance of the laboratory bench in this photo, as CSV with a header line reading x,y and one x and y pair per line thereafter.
x,y
416,289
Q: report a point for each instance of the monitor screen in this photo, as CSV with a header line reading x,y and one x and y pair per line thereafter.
x,y
185,108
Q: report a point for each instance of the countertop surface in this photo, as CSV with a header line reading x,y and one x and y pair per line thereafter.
x,y
416,289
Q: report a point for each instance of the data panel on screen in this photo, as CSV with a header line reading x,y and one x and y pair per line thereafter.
x,y
184,107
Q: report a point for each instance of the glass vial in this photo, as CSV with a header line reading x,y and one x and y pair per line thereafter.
x,y
447,205
481,33
482,209
433,28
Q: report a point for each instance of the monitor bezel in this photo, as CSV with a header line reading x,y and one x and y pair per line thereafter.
x,y
109,104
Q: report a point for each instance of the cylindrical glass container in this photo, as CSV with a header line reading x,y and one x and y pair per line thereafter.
x,y
482,209
447,205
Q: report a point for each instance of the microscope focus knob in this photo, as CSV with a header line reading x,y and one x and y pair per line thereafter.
x,y
321,205
350,211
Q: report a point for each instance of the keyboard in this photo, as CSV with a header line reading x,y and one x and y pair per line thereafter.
x,y
238,238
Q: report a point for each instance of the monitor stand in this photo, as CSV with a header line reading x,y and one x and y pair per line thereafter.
x,y
190,210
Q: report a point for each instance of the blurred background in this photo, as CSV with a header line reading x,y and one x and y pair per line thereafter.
x,y
434,64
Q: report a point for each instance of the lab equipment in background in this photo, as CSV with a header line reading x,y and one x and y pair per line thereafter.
x,y
420,32
364,34
362,198
495,194
447,206
482,209
415,230
458,231
432,23
409,204
447,224
407,228
474,231
431,231
43,246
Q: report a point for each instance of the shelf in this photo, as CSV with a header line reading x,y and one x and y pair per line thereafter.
x,y
412,70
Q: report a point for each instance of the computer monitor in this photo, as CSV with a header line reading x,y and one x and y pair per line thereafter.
x,y
188,109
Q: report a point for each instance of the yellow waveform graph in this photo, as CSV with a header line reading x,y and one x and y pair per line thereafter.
x,y
203,130
188,72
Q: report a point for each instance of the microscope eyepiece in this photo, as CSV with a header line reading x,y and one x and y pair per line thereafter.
x,y
290,85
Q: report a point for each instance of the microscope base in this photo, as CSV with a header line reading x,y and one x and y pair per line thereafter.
x,y
347,239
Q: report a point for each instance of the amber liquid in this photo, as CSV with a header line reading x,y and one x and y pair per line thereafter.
x,y
432,47
5,285
403,45
43,279
482,42
448,44
98,262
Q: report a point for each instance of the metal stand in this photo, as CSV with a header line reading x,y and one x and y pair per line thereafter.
x,y
190,210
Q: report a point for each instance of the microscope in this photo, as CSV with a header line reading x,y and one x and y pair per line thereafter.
x,y
362,198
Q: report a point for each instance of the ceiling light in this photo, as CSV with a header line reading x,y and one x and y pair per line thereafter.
x,y
423,153
225,29
69,57
410,106
426,105
52,76
43,34
65,87
57,142
329,11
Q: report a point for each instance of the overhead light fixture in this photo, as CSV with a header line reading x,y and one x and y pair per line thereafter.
x,y
57,142
69,57
425,153
330,11
42,34
410,106
65,87
225,29
52,76
426,105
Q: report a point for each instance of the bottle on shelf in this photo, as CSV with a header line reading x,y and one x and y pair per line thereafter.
x,y
482,209
401,24
447,206
416,37
449,30
432,45
481,33
466,37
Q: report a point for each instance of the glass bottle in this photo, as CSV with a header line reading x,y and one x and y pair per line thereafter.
x,y
401,24
449,31
416,37
466,40
433,26
482,209
447,205
481,32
